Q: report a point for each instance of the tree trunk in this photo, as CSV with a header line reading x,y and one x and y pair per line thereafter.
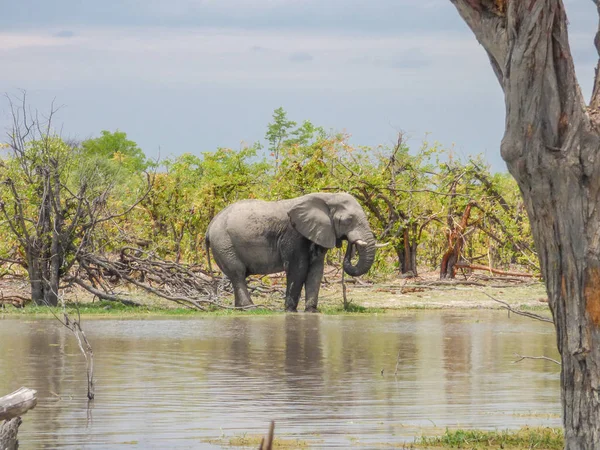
x,y
455,244
413,249
551,146
56,248
407,252
35,274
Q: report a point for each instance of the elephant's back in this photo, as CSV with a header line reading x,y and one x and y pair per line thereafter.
x,y
249,215
245,236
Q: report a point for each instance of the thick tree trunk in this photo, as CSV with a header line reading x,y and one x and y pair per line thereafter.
x,y
551,146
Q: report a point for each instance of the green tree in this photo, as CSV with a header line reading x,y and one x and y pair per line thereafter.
x,y
115,152
190,193
282,133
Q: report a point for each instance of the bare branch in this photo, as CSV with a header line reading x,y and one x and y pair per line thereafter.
x,y
545,358
520,313
100,294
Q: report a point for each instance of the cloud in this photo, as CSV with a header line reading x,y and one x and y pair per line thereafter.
x,y
193,57
259,49
375,16
64,34
300,57
413,58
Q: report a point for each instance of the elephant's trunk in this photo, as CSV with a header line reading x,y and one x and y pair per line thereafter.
x,y
366,254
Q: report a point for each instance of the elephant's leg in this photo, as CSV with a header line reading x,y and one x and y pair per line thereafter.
x,y
296,270
295,281
235,270
314,277
240,292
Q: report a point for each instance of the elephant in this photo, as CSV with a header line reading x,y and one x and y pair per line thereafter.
x,y
253,237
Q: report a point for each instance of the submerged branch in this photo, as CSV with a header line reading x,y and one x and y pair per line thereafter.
x,y
520,313
522,357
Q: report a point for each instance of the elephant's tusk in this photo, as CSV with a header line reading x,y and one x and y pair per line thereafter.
x,y
360,242
382,245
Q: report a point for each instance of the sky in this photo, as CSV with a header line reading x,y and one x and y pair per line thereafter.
x,y
189,76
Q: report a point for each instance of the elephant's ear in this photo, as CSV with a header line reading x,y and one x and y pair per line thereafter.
x,y
311,218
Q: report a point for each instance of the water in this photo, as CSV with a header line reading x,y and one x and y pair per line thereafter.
x,y
327,380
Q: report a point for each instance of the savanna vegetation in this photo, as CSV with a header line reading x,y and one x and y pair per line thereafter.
x,y
99,212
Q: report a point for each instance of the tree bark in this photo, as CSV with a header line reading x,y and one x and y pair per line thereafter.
x,y
8,434
406,250
12,406
551,146
56,249
456,242
35,275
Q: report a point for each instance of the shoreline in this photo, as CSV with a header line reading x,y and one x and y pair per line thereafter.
x,y
388,297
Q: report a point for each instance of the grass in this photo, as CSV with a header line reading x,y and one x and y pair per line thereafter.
x,y
372,300
114,309
253,441
352,308
524,438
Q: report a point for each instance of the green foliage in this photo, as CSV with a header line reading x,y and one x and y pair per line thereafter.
x,y
414,198
191,192
281,134
114,152
525,438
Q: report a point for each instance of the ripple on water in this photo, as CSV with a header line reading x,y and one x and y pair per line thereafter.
x,y
179,382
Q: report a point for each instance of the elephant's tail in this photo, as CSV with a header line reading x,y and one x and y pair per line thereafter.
x,y
210,271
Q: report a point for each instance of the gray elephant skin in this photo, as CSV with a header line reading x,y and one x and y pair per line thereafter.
x,y
258,237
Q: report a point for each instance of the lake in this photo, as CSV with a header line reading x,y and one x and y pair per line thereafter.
x,y
326,380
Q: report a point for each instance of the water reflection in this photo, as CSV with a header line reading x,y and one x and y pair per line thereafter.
x,y
176,383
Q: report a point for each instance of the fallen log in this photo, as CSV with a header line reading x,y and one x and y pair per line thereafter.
x,y
17,403
12,406
496,271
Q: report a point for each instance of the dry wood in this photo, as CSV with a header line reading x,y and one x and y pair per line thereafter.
x,y
18,301
492,270
17,403
185,284
545,358
518,312
12,407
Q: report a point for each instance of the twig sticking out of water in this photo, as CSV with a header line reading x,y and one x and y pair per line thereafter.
x,y
346,304
397,363
522,357
520,313
74,326
268,444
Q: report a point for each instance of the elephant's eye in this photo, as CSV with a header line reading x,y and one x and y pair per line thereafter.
x,y
345,220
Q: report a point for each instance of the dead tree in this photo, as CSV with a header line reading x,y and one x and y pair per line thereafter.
x,y
551,145
51,205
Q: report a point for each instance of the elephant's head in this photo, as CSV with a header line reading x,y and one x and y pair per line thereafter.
x,y
327,218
